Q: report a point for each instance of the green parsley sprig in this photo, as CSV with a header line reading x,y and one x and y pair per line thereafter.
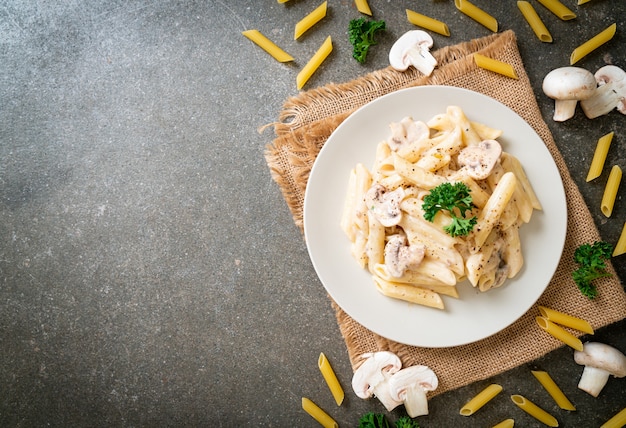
x,y
454,198
378,420
361,33
591,259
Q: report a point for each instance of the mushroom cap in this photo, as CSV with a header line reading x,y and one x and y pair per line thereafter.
x,y
410,39
405,378
376,368
480,159
385,204
569,83
602,356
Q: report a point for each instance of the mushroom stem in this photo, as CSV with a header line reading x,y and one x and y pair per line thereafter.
x,y
593,380
382,392
564,109
421,59
416,402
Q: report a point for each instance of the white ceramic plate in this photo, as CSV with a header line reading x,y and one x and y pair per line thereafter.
x,y
474,315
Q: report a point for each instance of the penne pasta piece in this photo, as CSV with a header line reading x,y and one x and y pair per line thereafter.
x,y
535,22
427,22
363,7
559,333
428,274
417,175
441,154
267,45
494,65
419,280
599,156
511,163
480,399
477,14
494,208
566,320
409,293
535,411
331,378
610,191
553,389
512,254
283,1
559,9
617,421
349,208
486,132
583,2
310,20
313,64
592,44
507,423
375,247
620,247
479,196
469,134
318,414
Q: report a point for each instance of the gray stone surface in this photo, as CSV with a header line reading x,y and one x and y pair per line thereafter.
x,y
150,273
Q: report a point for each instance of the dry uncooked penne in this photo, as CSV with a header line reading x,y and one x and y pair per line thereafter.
x,y
480,399
592,44
566,320
331,378
495,65
535,22
560,333
363,7
318,414
477,14
617,421
535,411
427,22
313,64
553,389
610,190
599,156
267,45
620,247
310,20
559,9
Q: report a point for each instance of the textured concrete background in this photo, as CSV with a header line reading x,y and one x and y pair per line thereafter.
x,y
150,273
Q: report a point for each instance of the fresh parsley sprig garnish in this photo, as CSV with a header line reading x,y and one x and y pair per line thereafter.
x,y
456,200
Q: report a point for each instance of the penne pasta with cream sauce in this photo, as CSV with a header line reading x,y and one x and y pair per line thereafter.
x,y
416,259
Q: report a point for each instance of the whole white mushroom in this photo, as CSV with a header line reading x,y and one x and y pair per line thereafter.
x,y
413,48
600,361
567,86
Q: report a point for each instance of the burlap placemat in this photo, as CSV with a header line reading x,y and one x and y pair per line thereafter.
x,y
309,118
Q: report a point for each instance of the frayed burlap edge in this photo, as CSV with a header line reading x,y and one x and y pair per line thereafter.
x,y
308,119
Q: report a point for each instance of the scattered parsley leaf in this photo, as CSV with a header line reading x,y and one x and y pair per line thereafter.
x,y
591,260
361,33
